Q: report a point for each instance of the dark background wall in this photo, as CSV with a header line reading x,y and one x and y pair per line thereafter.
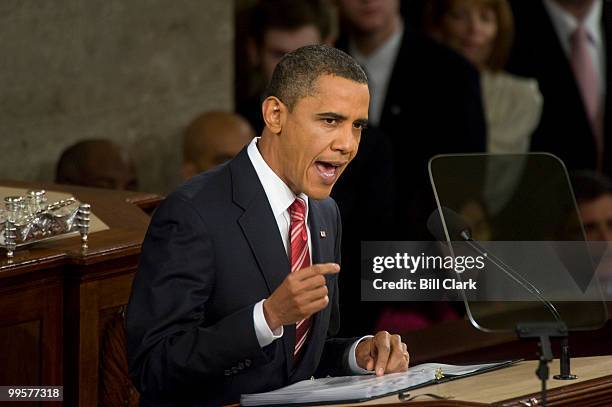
x,y
133,71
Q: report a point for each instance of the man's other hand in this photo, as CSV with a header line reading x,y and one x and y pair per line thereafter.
x,y
300,295
383,353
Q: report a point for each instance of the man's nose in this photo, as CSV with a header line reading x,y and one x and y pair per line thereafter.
x,y
346,141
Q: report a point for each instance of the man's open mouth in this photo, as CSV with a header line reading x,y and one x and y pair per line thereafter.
x,y
329,170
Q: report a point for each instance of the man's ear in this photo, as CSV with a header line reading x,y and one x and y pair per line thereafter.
x,y
274,112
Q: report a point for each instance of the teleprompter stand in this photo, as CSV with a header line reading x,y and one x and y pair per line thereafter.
x,y
544,331
528,205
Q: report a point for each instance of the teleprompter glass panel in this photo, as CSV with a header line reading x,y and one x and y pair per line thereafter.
x,y
519,211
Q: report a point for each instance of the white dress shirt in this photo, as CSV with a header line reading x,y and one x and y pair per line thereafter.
x,y
379,67
565,24
280,198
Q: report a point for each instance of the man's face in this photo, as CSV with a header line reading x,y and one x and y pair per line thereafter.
x,y
321,135
369,16
597,218
277,43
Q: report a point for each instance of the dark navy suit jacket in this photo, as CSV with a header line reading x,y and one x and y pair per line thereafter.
x,y
212,251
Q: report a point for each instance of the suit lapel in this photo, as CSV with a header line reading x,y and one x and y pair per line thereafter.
x,y
557,60
557,65
261,232
258,223
315,225
321,234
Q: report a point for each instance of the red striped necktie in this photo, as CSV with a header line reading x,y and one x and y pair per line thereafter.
x,y
300,258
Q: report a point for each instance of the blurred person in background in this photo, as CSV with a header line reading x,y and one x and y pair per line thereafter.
x,y
96,163
565,45
277,27
211,139
425,100
482,31
594,197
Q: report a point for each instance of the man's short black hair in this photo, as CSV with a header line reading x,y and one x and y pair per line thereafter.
x,y
289,16
589,185
295,75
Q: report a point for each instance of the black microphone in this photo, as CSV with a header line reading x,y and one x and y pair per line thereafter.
x,y
458,229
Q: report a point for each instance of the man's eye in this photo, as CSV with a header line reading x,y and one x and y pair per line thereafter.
x,y
360,126
329,120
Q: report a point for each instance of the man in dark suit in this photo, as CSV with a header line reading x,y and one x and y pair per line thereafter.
x,y
237,287
425,99
543,50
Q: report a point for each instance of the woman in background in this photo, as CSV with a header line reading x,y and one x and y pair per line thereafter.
x,y
482,31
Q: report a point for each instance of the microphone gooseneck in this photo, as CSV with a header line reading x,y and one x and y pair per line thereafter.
x,y
458,229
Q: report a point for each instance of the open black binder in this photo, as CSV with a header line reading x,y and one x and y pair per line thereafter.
x,y
353,389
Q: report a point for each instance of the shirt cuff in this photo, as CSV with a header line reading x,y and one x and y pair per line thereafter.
x,y
265,335
352,358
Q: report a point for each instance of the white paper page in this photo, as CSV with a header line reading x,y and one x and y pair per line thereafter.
x,y
357,387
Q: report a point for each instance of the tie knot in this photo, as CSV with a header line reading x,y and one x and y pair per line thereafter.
x,y
298,208
580,34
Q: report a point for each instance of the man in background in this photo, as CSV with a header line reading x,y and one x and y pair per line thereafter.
x,y
96,163
566,46
277,27
594,197
425,100
211,139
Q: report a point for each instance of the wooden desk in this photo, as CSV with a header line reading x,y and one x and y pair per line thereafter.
x,y
517,385
55,299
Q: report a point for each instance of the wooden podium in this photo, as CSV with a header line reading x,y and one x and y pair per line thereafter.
x,y
517,386
55,299
56,302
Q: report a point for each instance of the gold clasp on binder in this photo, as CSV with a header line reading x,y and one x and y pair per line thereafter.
x,y
439,373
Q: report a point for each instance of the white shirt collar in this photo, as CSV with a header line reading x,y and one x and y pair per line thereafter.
x,y
279,194
565,23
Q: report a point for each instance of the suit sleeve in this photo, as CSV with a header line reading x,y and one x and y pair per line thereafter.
x,y
171,345
334,360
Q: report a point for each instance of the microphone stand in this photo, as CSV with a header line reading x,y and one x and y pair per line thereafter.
x,y
542,330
